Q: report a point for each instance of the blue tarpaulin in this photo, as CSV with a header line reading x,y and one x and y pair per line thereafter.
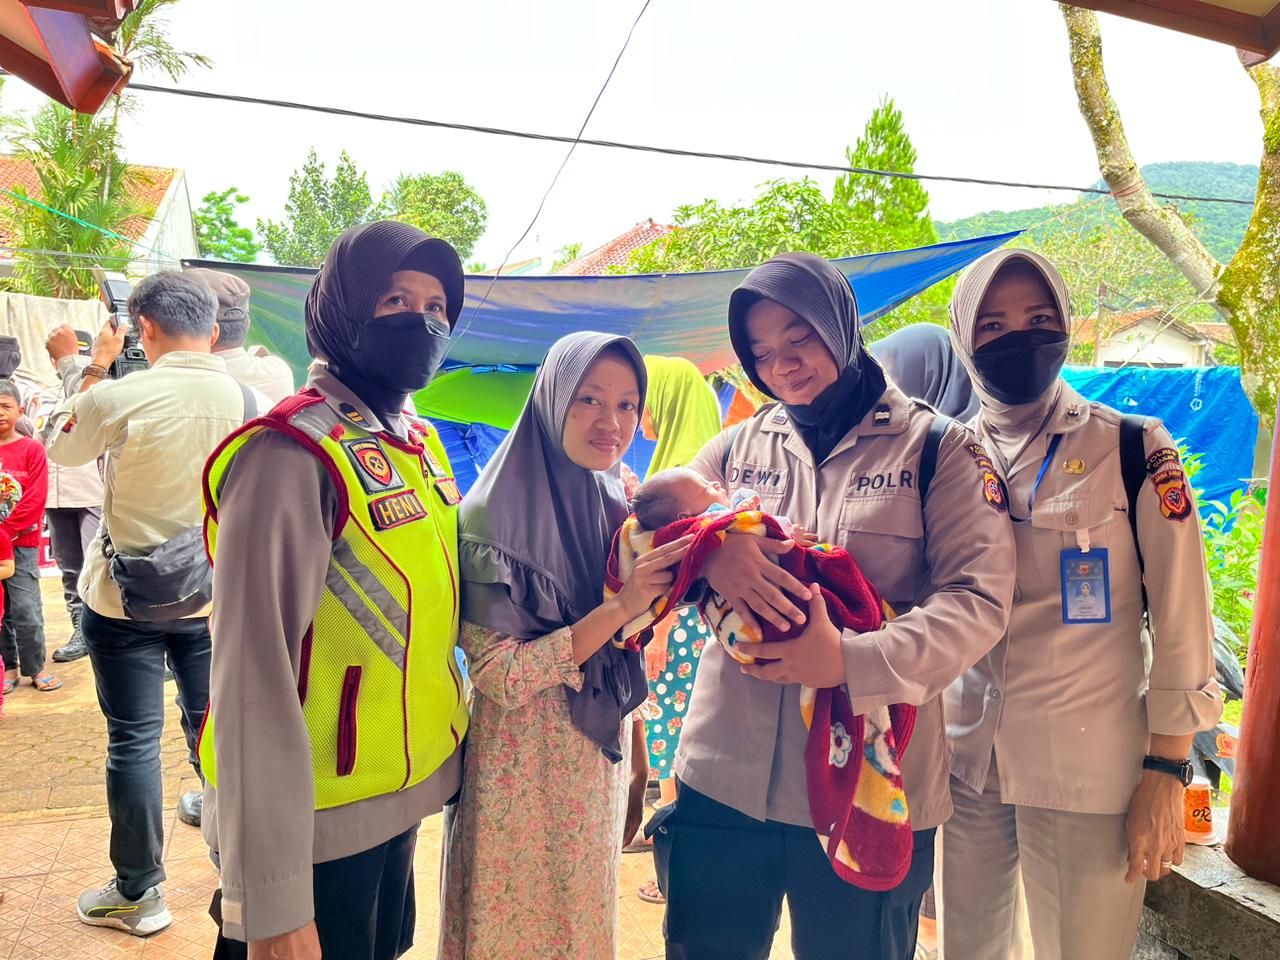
x,y
514,320
1205,408
676,315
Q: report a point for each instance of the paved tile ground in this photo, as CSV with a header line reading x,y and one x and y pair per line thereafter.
x,y
54,837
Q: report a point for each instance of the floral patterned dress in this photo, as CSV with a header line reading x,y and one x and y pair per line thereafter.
x,y
533,846
669,694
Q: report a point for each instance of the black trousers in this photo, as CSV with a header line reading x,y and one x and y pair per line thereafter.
x,y
128,669
365,908
726,875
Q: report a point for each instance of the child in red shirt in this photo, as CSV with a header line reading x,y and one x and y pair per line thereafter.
x,y
22,642
10,494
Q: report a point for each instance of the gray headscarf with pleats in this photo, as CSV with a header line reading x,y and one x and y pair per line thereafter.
x,y
921,361
1008,426
536,531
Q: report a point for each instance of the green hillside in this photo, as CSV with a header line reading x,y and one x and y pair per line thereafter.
x,y
1220,225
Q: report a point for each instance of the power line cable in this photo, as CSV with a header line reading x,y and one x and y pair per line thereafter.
x,y
560,169
83,223
37,252
652,148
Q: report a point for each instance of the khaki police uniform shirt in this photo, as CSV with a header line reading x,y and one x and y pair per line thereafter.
x,y
1067,708
947,570
255,367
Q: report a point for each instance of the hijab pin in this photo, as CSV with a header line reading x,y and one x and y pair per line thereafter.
x,y
883,416
1075,467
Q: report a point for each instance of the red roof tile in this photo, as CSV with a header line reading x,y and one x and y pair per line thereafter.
x,y
149,186
616,252
1217,332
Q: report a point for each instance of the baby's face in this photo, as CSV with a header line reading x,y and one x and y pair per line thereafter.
x,y
696,494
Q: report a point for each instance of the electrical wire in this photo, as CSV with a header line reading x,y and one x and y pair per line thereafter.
x,y
36,252
652,148
551,186
83,223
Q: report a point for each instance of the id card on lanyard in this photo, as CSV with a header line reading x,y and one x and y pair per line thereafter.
x,y
1085,576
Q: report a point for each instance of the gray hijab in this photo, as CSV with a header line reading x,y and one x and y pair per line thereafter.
x,y
1011,427
536,531
921,361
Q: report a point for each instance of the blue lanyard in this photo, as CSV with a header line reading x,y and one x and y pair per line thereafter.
x,y
1044,468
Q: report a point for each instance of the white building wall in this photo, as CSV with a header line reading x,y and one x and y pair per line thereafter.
x,y
172,233
1152,343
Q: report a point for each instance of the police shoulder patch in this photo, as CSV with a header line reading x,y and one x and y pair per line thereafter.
x,y
1164,467
993,488
375,471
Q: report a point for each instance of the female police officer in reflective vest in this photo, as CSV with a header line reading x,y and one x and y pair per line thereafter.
x,y
840,454
338,712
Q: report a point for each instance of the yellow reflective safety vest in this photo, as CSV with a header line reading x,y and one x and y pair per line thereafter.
x,y
380,687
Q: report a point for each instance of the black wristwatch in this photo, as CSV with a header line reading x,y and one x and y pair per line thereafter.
x,y
1179,769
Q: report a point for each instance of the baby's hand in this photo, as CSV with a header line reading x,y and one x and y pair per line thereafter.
x,y
803,537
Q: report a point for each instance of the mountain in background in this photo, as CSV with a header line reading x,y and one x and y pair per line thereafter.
x,y
1220,226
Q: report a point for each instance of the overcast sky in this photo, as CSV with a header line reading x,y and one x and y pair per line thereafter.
x,y
984,85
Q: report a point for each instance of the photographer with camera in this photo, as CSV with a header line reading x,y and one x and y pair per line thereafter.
x,y
146,580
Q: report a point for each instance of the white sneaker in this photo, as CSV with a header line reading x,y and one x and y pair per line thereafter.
x,y
108,907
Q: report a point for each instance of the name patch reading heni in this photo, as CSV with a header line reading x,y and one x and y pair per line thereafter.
x,y
396,509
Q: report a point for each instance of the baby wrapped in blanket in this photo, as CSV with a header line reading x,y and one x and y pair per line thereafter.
x,y
851,761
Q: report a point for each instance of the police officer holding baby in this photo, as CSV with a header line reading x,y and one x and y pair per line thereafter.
x,y
912,496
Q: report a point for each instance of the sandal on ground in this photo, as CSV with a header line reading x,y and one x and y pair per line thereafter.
x,y
640,844
10,685
46,684
649,892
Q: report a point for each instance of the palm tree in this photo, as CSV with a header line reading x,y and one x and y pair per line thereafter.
x,y
142,40
77,162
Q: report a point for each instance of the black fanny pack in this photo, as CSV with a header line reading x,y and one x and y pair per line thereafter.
x,y
171,580
168,582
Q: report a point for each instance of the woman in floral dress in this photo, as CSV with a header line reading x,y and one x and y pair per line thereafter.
x,y
533,846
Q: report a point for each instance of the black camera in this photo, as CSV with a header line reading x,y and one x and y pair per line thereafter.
x,y
115,291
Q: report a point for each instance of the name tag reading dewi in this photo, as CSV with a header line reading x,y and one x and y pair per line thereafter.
x,y
395,509
761,479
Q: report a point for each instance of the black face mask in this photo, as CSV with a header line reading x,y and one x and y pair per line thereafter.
x,y
401,352
1020,366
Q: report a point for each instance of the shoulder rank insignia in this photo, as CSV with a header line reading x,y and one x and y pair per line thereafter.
x,y
349,411
376,473
883,415
1164,467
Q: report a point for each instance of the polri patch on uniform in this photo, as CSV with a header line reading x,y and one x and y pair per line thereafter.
x,y
993,488
376,473
1164,467
396,509
349,411
447,488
